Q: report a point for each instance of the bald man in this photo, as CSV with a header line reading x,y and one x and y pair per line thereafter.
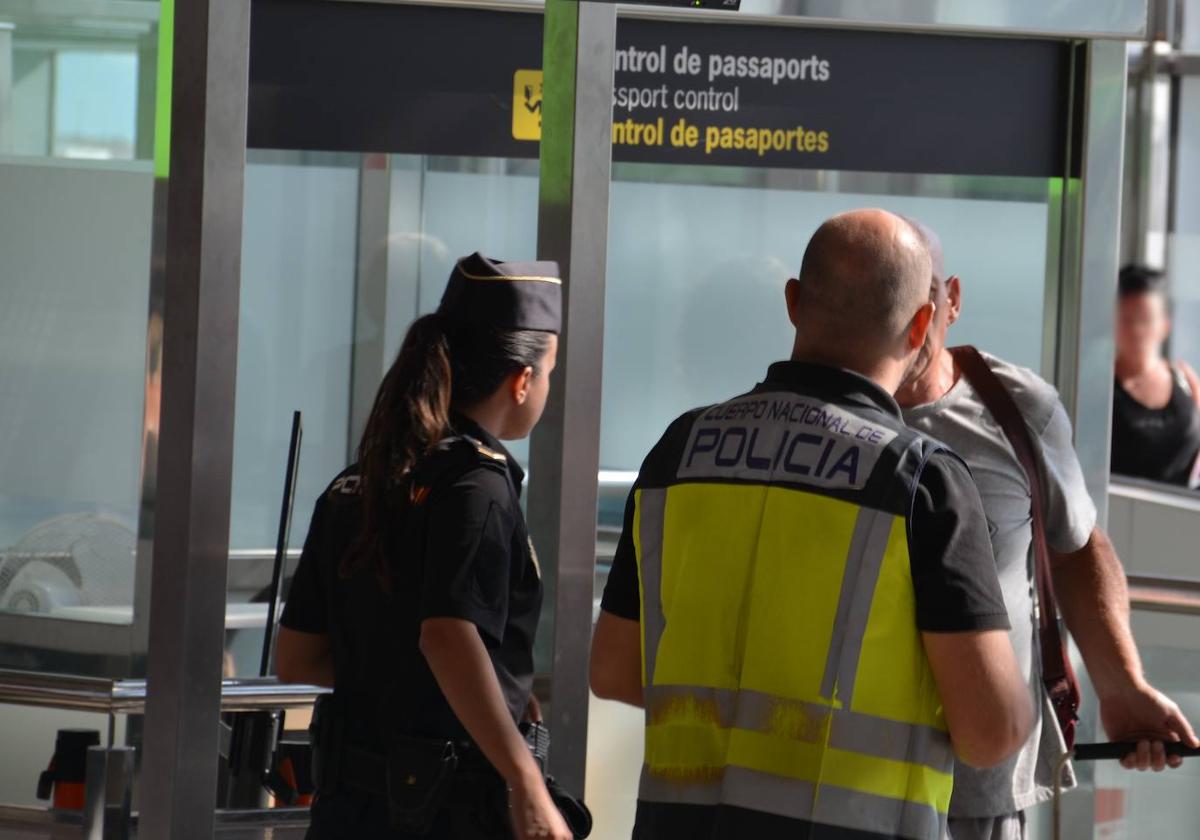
x,y
804,598
1088,579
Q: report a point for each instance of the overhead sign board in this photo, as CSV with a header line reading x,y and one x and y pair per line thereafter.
x,y
450,81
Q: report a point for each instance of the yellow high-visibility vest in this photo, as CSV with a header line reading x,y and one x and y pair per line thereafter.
x,y
783,668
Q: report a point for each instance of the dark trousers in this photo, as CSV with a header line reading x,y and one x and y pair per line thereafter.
x,y
476,809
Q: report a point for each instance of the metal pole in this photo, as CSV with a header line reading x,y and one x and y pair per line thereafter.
x,y
146,95
6,86
109,791
579,45
1087,351
1090,360
195,454
369,355
267,663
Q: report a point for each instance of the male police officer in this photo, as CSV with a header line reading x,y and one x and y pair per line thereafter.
x,y
1087,576
804,597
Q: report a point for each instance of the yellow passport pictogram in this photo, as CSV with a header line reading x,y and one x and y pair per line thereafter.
x,y
527,105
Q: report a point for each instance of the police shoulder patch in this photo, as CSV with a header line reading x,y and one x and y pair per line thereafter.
x,y
487,453
454,456
349,484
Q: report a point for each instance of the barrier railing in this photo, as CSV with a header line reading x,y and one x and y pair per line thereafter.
x,y
1164,594
104,696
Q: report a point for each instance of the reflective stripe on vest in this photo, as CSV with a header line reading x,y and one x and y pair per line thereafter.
x,y
783,668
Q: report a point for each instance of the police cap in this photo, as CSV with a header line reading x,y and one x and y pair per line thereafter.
x,y
506,295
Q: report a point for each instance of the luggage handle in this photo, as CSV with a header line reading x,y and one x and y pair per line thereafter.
x,y
1119,749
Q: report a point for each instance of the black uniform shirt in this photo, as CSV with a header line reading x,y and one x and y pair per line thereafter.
x,y
950,552
462,553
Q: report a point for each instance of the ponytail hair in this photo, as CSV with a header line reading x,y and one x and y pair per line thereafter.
x,y
439,366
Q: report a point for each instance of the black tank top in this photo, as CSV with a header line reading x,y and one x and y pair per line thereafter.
x,y
1159,444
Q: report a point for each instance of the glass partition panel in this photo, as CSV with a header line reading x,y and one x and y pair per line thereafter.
x,y
1184,253
697,268
1183,286
77,88
76,245
295,332
341,252
1162,805
77,194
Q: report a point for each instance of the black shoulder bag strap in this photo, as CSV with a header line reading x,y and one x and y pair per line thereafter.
x,y
1057,674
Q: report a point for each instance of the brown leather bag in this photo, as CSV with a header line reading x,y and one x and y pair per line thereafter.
x,y
1058,676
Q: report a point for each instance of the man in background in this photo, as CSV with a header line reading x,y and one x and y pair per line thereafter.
x,y
938,399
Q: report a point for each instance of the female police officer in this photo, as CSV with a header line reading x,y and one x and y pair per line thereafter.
x,y
418,591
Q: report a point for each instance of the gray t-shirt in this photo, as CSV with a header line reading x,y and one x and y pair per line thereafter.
x,y
960,420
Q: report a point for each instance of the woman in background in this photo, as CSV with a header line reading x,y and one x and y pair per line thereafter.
x,y
1156,403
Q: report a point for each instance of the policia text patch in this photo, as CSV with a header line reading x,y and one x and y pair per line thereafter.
x,y
784,437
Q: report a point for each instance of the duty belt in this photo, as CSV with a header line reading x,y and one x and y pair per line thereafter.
x,y
367,770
